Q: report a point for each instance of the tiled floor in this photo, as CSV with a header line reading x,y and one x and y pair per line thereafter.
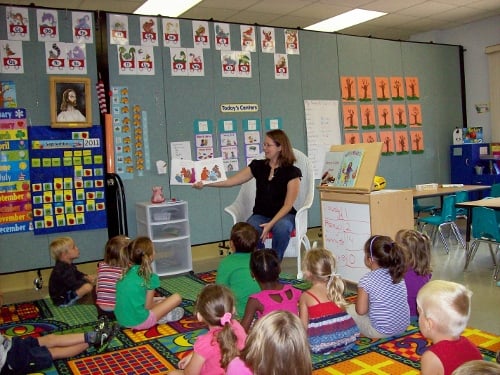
x,y
485,300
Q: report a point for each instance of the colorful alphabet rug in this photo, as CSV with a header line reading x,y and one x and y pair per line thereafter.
x,y
159,349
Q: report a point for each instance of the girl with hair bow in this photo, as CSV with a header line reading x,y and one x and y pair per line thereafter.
x,y
213,351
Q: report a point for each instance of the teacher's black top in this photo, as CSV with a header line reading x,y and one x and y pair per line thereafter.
x,y
270,195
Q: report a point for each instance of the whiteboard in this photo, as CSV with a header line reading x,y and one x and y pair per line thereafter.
x,y
323,130
346,227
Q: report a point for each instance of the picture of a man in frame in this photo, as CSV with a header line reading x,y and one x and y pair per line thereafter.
x,y
70,102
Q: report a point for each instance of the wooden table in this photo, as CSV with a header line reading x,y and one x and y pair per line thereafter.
x,y
442,191
488,203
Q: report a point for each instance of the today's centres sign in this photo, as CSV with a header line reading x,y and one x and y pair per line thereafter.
x,y
239,107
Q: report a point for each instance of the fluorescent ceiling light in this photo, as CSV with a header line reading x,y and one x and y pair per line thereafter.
x,y
345,20
169,8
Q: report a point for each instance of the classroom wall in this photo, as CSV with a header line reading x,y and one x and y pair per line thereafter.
x,y
172,105
474,37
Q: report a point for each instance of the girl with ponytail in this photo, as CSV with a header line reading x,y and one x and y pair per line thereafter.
x,y
136,305
322,308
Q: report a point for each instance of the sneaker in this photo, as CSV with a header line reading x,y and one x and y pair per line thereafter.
x,y
105,332
174,315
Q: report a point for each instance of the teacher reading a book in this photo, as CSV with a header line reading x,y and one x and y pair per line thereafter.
x,y
277,182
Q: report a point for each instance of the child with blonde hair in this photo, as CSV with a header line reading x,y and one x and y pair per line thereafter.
x,y
67,284
109,271
477,367
444,310
276,345
322,308
418,272
274,295
136,306
381,308
213,351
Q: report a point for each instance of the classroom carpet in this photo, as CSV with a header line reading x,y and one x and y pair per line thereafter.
x,y
159,349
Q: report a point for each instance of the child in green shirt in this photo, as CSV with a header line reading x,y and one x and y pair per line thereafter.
x,y
234,270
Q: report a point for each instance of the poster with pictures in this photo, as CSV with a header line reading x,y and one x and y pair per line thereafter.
x,y
11,55
248,38
18,23
281,66
8,96
65,58
267,39
236,64
292,41
222,36
82,27
187,62
135,60
149,31
119,29
201,34
171,34
47,25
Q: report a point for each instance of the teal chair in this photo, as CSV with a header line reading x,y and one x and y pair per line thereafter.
x,y
484,229
418,208
461,196
446,218
495,191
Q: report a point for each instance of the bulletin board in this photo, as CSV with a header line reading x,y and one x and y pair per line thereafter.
x,y
67,179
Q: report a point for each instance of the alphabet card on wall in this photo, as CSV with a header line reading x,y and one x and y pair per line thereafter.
x,y
47,25
82,27
11,55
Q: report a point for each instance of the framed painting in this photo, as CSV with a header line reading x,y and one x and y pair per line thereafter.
x,y
70,102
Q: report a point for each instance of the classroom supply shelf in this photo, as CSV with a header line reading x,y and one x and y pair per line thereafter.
x,y
167,224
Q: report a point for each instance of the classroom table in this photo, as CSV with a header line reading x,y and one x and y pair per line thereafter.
x,y
442,191
488,203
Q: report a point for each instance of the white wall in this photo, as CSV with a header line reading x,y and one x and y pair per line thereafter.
x,y
474,37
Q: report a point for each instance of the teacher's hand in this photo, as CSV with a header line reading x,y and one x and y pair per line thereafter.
x,y
266,228
198,185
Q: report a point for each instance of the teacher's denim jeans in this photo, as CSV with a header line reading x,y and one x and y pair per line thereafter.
x,y
281,231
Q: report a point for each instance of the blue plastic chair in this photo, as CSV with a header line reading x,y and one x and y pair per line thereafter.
x,y
484,229
446,218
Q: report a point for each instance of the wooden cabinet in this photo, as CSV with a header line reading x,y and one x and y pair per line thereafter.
x,y
167,225
349,219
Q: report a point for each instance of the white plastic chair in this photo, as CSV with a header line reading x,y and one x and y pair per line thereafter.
x,y
241,208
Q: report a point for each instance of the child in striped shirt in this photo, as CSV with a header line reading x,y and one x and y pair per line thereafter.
x,y
109,271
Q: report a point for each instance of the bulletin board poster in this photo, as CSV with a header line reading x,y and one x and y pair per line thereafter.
x,y
67,179
15,196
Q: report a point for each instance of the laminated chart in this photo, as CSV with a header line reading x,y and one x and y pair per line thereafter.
x,y
67,179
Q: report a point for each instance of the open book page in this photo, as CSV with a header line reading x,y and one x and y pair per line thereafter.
x,y
187,172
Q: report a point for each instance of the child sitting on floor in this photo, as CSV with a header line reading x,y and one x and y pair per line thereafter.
x,y
136,306
274,295
213,351
276,345
33,354
66,283
418,273
444,310
322,308
234,270
109,271
381,308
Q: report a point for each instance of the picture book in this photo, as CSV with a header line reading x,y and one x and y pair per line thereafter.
x,y
341,168
187,172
